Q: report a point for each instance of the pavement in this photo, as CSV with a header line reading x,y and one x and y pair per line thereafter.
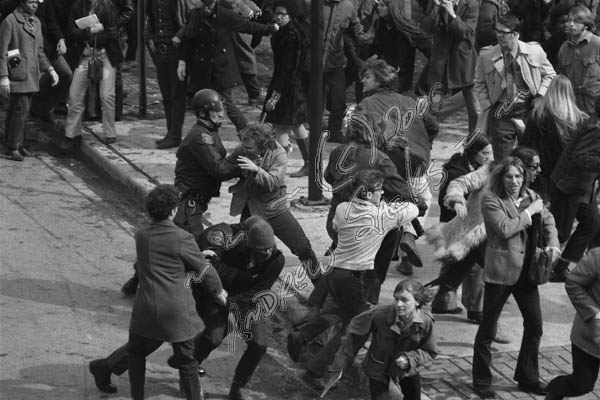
x,y
135,163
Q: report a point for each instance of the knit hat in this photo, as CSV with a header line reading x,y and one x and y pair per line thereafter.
x,y
251,221
261,236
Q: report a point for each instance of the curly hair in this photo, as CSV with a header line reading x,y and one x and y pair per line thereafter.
x,y
261,134
367,180
496,179
384,74
161,201
422,294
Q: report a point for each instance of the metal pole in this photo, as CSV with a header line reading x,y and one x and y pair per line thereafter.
x,y
316,97
141,21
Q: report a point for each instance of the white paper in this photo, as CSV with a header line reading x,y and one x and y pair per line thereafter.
x,y
87,22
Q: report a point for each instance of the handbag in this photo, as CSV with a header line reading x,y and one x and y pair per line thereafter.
x,y
95,65
540,267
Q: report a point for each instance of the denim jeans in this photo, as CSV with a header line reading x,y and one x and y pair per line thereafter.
x,y
77,91
16,116
44,101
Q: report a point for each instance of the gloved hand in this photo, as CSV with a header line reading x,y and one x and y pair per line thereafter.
x,y
273,100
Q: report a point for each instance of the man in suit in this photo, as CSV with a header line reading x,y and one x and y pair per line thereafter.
x,y
509,78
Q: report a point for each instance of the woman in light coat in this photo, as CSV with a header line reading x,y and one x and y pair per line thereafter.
x,y
583,288
513,215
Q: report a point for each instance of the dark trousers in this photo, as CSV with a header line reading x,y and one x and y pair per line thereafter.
x,y
335,95
140,347
173,93
235,115
132,35
528,300
287,228
406,64
452,275
503,135
349,293
565,209
217,327
327,317
189,214
44,101
410,386
581,381
16,116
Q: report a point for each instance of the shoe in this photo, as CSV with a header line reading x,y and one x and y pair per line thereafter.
x,y
14,155
485,393
168,142
130,287
501,338
313,381
235,393
474,316
533,388
405,268
162,139
456,310
294,345
24,152
409,247
101,373
110,140
301,172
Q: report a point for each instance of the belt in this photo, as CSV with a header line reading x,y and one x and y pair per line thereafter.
x,y
356,274
163,48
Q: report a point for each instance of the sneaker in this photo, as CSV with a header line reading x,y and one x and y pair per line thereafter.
x,y
405,268
14,154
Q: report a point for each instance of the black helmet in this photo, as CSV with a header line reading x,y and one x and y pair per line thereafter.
x,y
207,100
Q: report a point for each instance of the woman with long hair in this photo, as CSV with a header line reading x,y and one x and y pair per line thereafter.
x,y
553,122
286,106
101,41
512,214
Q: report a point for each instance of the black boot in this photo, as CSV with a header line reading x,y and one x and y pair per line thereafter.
x,y
303,146
409,247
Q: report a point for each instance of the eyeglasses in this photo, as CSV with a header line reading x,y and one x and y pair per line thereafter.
x,y
499,32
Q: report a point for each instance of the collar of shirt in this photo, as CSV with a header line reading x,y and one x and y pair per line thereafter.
x,y
586,36
398,327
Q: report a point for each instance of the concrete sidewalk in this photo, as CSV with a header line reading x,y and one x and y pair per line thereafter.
x,y
135,162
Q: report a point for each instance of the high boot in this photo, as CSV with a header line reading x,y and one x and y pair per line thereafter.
x,y
303,146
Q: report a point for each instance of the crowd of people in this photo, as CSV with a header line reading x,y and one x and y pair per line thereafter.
x,y
528,76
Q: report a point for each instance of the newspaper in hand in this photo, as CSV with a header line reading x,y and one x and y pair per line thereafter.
x,y
87,22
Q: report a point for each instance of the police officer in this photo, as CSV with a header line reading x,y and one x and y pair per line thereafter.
x,y
201,165
164,22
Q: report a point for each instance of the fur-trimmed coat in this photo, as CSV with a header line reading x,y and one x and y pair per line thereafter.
x,y
455,239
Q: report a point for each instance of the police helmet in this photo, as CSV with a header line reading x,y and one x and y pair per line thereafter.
x,y
206,100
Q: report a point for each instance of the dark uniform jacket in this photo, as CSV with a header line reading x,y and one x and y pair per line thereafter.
x,y
201,165
164,23
164,307
208,50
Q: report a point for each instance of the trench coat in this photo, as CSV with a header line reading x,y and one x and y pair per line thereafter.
x,y
453,53
16,33
164,308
